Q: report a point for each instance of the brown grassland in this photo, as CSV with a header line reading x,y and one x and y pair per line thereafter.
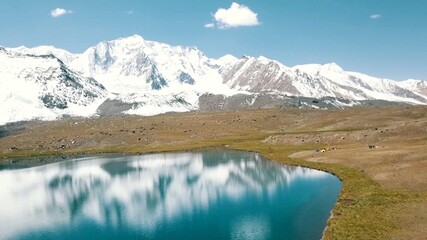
x,y
384,194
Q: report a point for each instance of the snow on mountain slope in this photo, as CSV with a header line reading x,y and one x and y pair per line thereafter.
x,y
43,87
265,75
152,76
385,89
63,55
314,80
416,86
149,78
161,102
330,71
133,64
259,74
365,87
226,61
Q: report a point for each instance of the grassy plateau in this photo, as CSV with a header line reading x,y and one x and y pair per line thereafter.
x,y
380,154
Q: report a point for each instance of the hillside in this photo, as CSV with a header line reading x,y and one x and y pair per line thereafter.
x,y
146,78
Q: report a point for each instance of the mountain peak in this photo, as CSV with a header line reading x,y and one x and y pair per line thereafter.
x,y
332,67
135,37
264,59
134,40
151,75
228,59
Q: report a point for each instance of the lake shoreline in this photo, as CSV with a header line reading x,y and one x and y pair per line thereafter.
x,y
243,189
397,134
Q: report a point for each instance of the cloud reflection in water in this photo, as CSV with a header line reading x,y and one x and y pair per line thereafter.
x,y
139,192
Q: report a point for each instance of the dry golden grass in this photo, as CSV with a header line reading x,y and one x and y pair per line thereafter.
x,y
384,194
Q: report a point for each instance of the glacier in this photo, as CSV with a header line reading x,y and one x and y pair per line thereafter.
x,y
150,78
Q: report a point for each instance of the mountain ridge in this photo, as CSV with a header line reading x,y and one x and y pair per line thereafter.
x,y
154,78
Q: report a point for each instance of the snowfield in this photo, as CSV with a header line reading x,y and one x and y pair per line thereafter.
x,y
47,83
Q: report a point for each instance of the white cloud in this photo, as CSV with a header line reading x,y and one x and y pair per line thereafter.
x,y
235,16
375,16
209,25
57,12
130,12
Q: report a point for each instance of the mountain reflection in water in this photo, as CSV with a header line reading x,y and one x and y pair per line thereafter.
x,y
136,192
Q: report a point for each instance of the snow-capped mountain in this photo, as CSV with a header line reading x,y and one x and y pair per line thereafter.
x,y
63,55
42,86
416,86
315,80
368,87
136,76
153,77
128,64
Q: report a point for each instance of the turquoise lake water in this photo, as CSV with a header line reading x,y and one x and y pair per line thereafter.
x,y
213,194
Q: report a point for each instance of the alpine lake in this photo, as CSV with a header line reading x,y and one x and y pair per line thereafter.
x,y
209,194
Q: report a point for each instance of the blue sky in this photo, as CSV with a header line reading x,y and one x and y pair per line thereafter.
x,y
383,38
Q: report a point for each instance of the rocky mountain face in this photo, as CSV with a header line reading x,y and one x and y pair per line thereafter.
x,y
63,55
415,86
135,76
42,86
147,65
318,81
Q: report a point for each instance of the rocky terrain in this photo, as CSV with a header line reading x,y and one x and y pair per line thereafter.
x,y
380,153
133,75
